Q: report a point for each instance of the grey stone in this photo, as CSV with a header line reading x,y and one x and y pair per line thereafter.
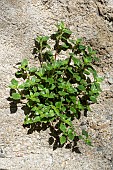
x,y
20,22
110,80
2,155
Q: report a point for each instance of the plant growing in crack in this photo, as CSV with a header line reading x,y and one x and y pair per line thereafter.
x,y
58,90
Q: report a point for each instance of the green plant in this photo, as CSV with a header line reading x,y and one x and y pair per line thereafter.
x,y
58,90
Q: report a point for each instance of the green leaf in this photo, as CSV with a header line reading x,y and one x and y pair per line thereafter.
x,y
62,140
72,41
93,88
81,87
35,99
82,47
93,99
27,84
45,38
44,120
65,46
78,78
99,79
85,133
52,87
40,73
16,96
61,25
70,88
56,110
33,69
87,60
24,63
86,72
33,80
63,108
58,104
63,127
50,80
38,38
35,89
51,95
89,49
62,99
78,41
71,136
96,58
68,100
21,86
81,137
70,70
62,93
67,31
47,115
80,106
72,109
36,119
70,130
60,79
40,87
18,74
28,121
88,142
93,71
76,61
98,86
14,82
73,98
51,113
67,121
83,82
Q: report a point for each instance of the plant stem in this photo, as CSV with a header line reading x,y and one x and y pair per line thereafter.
x,y
69,60
57,47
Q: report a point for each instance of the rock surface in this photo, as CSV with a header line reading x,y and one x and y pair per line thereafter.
x,y
20,22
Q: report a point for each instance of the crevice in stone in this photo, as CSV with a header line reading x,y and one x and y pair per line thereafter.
x,y
106,14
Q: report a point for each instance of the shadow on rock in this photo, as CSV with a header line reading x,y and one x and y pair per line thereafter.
x,y
54,139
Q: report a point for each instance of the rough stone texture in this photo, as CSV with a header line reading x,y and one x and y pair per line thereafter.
x,y
20,22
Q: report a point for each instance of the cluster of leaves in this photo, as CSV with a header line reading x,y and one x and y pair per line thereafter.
x,y
58,90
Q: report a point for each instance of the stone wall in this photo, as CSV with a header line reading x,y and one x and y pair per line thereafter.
x,y
20,22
